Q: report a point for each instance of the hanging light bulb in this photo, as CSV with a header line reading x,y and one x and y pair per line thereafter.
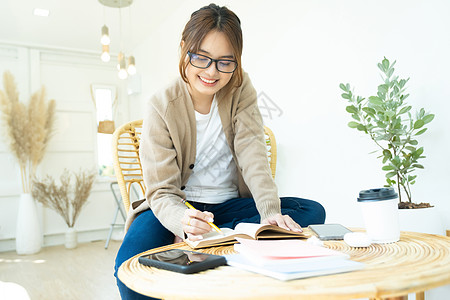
x,y
105,53
122,70
123,74
105,40
120,57
131,65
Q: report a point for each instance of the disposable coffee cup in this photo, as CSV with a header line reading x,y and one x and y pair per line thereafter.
x,y
380,212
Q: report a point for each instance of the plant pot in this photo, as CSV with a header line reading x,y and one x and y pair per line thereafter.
x,y
425,220
71,240
28,231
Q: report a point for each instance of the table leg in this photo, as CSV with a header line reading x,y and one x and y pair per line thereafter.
x,y
420,296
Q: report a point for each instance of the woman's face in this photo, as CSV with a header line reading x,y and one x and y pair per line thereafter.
x,y
207,82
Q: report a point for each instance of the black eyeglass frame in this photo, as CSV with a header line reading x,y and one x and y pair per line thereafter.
x,y
211,60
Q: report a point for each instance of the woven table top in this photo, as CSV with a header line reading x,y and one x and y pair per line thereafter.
x,y
416,263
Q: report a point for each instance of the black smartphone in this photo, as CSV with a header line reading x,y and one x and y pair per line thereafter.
x,y
182,261
327,232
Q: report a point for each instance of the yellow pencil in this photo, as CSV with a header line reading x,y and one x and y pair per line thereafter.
x,y
210,223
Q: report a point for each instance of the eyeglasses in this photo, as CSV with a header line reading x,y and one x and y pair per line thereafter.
x,y
203,62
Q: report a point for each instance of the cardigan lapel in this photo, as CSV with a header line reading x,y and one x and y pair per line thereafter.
x,y
226,116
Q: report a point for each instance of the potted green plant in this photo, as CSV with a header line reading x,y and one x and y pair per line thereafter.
x,y
387,119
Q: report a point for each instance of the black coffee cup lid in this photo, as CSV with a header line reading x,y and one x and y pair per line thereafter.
x,y
377,195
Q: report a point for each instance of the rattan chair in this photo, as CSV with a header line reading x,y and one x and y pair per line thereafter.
x,y
127,164
271,144
126,161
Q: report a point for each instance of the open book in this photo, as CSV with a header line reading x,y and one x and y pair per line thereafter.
x,y
246,231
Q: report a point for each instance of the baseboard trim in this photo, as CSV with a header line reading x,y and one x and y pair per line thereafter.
x,y
84,236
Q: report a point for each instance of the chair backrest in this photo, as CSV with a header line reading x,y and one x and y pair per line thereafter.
x,y
271,144
126,161
127,164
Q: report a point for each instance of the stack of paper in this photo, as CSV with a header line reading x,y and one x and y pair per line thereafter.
x,y
289,259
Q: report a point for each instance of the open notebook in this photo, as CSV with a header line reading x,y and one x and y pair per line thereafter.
x,y
246,231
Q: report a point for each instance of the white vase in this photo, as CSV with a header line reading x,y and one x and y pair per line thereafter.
x,y
28,231
424,220
71,238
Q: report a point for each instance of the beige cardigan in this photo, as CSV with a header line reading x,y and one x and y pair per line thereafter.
x,y
168,149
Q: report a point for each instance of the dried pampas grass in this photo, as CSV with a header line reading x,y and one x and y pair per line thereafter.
x,y
28,128
65,199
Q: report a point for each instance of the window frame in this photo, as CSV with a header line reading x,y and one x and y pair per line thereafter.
x,y
113,89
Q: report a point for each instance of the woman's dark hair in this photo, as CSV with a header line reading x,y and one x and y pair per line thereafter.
x,y
205,20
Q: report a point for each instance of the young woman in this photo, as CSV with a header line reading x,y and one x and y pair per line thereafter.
x,y
203,140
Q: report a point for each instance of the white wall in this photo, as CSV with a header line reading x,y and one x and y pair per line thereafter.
x,y
67,76
297,53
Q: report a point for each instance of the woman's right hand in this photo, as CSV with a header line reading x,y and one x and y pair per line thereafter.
x,y
195,223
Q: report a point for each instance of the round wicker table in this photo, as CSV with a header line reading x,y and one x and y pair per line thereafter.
x,y
416,263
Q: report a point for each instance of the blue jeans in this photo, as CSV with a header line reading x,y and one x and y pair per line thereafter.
x,y
146,232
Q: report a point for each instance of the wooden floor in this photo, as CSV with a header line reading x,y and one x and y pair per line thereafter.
x,y
58,273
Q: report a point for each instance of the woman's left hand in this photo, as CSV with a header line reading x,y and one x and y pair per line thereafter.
x,y
283,221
